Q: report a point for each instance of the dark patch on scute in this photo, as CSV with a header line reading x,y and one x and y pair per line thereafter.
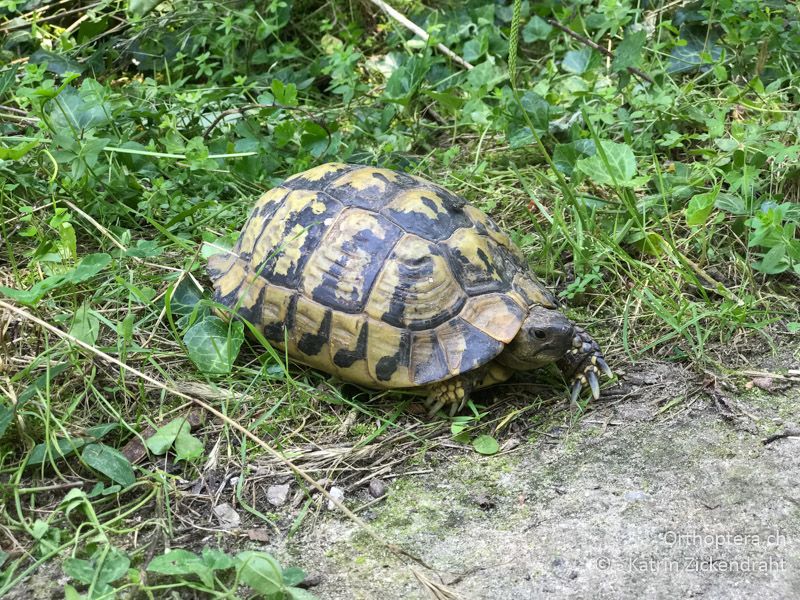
x,y
433,229
312,344
410,273
387,365
301,183
374,197
346,358
325,293
477,281
275,331
433,369
252,314
480,348
315,225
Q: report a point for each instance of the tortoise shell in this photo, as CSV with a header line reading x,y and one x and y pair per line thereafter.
x,y
382,278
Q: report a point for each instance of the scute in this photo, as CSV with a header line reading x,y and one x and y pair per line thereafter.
x,y
342,272
415,289
379,277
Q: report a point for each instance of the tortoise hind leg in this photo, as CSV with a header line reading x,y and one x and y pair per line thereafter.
x,y
450,393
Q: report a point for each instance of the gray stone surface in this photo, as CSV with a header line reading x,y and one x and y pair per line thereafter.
x,y
634,502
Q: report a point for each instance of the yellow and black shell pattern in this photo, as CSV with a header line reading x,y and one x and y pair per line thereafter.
x,y
381,278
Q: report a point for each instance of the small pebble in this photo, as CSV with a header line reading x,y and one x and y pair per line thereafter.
x,y
635,496
227,516
338,494
277,494
377,488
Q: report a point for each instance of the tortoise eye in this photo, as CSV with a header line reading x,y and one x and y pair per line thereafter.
x,y
540,334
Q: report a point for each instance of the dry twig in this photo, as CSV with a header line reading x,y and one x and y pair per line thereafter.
x,y
420,33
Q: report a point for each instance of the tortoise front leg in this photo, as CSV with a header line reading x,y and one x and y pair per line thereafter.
x,y
583,363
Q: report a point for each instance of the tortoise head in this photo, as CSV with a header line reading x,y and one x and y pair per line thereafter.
x,y
545,337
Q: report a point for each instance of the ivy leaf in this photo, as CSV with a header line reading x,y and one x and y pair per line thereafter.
x,y
565,156
214,344
629,52
536,29
577,61
110,462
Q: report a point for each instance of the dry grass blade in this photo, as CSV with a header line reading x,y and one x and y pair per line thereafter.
x,y
436,591
222,417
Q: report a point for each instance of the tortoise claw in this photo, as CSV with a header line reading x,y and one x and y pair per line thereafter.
x,y
591,377
576,390
604,367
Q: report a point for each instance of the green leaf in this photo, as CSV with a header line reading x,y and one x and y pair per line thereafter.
x,y
81,109
187,447
485,444
774,261
617,168
285,94
184,297
731,203
6,416
261,572
486,74
90,266
536,29
459,424
293,575
577,61
85,325
79,570
18,151
165,436
538,110
695,46
182,562
300,594
63,447
56,63
314,139
139,8
115,564
793,327
565,156
629,52
214,344
216,560
110,462
700,206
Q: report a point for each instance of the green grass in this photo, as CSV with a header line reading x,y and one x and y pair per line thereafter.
x,y
133,135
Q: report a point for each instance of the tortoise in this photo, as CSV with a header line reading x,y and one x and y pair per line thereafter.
x,y
390,281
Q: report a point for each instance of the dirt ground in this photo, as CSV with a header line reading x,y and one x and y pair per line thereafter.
x,y
664,492
674,486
